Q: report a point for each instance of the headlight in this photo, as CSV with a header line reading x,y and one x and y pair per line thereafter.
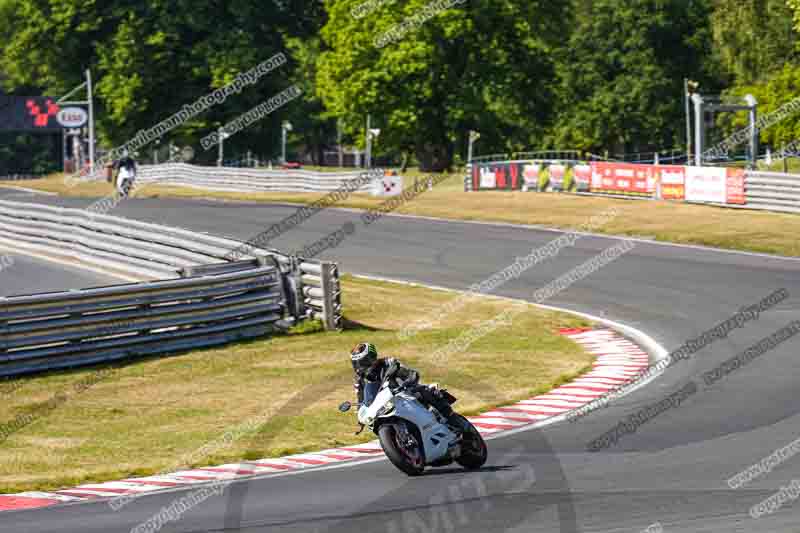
x,y
388,406
362,416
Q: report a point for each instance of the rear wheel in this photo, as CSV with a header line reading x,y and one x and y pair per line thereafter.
x,y
403,447
473,448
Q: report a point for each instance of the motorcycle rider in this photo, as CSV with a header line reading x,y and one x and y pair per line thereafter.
x,y
126,174
371,372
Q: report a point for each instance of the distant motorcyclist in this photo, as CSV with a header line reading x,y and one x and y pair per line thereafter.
x,y
371,372
126,174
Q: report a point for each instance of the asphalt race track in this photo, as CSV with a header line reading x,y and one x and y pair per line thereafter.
x,y
26,275
672,471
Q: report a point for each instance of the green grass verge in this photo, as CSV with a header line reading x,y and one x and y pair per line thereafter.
x,y
152,415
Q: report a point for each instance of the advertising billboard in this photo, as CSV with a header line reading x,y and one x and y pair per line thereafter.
x,y
623,178
715,185
673,181
557,174
29,113
583,177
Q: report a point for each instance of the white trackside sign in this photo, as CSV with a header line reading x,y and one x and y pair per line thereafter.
x,y
72,117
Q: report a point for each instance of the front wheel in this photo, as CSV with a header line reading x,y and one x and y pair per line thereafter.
x,y
473,448
403,447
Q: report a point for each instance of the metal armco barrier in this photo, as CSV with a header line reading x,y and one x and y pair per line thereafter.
x,y
14,177
67,329
773,191
192,298
139,250
538,155
248,179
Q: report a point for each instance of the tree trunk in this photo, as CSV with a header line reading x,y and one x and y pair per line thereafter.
x,y
319,153
436,156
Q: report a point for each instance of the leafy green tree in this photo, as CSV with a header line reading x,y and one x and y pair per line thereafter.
x,y
586,74
758,43
753,38
772,95
150,58
480,64
312,123
27,153
621,73
794,5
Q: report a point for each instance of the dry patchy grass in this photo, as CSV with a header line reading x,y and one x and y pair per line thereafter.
x,y
664,221
147,415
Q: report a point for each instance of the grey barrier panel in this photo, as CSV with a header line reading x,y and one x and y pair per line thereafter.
x,y
772,191
213,303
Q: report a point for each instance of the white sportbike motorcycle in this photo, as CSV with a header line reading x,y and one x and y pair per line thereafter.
x,y
124,180
414,436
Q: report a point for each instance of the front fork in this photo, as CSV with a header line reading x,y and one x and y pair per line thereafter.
x,y
405,437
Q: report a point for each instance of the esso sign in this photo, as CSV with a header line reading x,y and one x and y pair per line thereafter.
x,y
72,117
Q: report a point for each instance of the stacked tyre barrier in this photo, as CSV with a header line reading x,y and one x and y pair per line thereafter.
x,y
184,294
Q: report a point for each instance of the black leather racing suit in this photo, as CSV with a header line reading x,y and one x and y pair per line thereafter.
x,y
126,162
399,374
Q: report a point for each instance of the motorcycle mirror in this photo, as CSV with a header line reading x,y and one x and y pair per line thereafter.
x,y
345,406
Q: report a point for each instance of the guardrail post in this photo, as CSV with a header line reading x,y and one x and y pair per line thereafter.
x,y
294,289
284,283
295,283
332,301
3,337
3,324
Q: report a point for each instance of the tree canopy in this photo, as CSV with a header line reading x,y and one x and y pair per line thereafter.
x,y
621,77
528,74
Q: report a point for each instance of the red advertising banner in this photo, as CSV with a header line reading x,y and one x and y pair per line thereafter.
x,y
623,178
583,177
735,186
513,174
673,181
500,175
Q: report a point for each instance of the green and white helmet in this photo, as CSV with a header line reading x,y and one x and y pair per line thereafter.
x,y
363,356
